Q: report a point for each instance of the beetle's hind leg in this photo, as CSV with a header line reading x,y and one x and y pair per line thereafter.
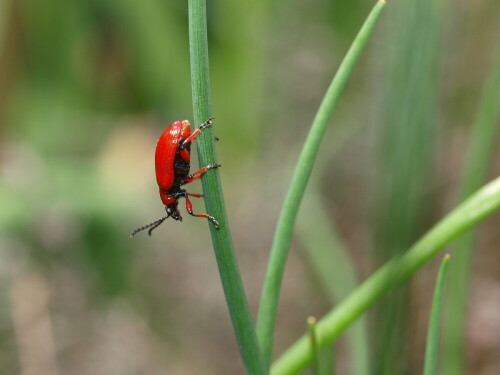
x,y
189,209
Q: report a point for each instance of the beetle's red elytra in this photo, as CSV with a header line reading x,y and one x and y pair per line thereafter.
x,y
172,162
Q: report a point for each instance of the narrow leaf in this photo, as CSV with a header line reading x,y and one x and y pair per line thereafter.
x,y
432,347
311,331
214,200
483,203
481,147
266,320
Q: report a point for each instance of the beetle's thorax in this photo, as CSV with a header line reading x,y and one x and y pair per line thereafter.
x,y
179,129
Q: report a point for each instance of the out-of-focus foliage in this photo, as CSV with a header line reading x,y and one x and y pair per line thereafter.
x,y
87,86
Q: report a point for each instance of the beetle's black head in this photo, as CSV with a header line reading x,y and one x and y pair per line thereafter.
x,y
173,211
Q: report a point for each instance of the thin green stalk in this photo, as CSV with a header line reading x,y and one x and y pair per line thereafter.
x,y
328,255
405,168
432,347
484,135
329,260
483,203
313,340
214,201
322,360
266,320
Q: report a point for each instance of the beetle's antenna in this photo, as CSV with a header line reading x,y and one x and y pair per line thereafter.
x,y
151,225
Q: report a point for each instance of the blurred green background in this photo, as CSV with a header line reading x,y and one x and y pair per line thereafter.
x,y
86,87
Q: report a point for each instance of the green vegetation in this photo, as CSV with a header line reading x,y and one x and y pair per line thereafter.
x,y
480,152
432,347
214,201
266,320
393,273
359,206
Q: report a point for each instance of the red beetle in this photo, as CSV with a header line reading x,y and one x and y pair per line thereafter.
x,y
172,171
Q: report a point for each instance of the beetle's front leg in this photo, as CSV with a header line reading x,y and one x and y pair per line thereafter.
x,y
193,135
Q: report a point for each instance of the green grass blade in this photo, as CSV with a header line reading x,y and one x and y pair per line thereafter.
x,y
322,360
214,201
329,260
483,203
313,340
405,170
328,255
484,135
432,347
270,294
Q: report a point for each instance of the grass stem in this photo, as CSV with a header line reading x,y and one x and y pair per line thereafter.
x,y
483,203
266,319
313,339
484,135
432,346
214,200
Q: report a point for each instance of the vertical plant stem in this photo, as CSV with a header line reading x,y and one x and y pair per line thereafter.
x,y
313,339
283,235
214,201
404,170
329,259
485,131
432,347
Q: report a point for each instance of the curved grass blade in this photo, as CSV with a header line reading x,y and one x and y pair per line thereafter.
x,y
432,347
483,203
266,319
484,134
329,260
